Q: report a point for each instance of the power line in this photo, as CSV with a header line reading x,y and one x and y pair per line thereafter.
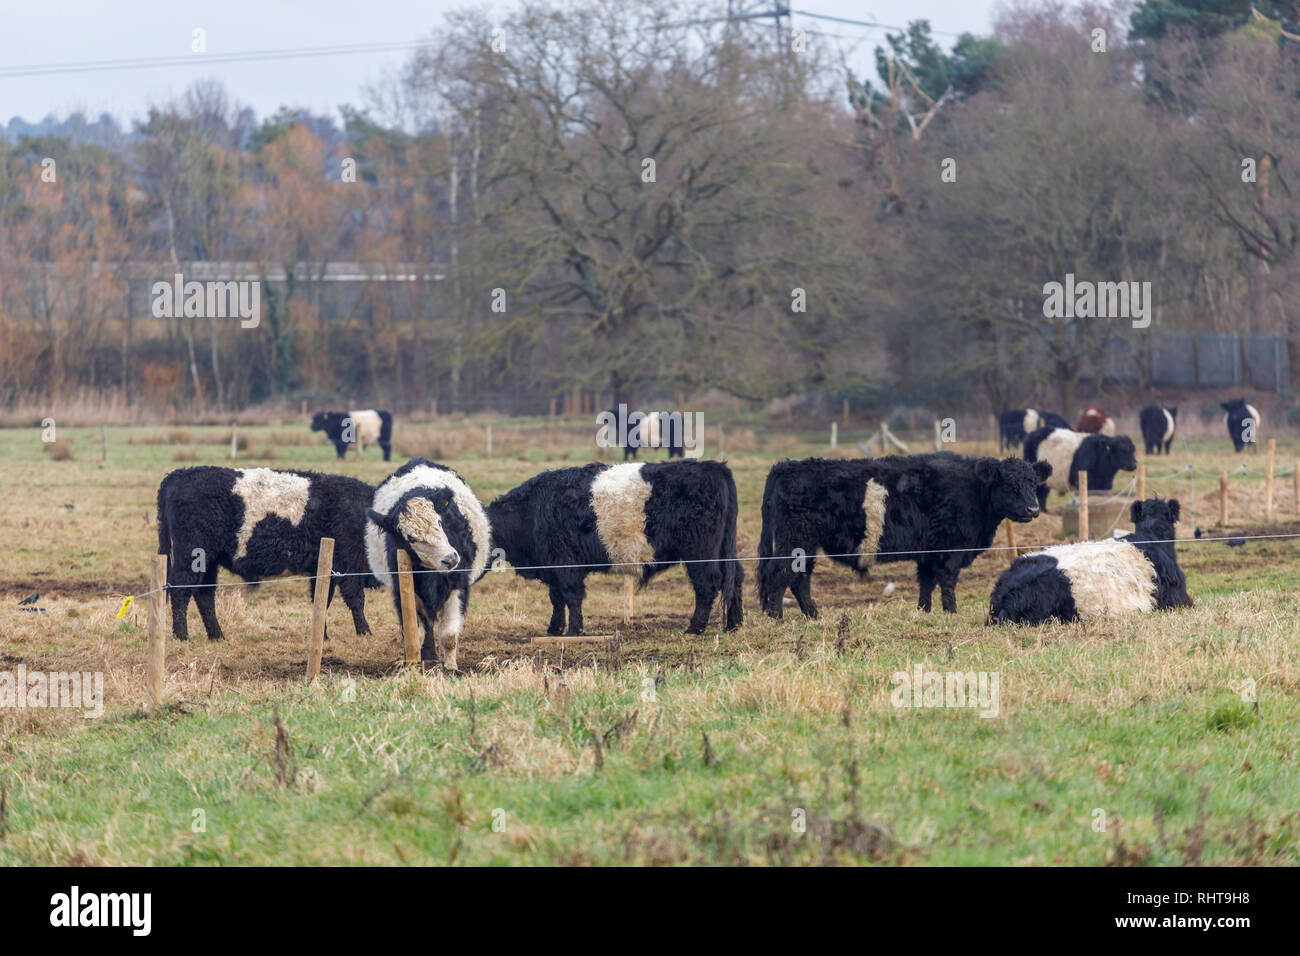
x,y
864,23
206,59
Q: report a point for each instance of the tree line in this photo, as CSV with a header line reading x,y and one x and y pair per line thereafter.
x,y
634,200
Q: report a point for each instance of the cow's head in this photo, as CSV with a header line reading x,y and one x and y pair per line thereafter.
x,y
1012,485
1120,452
1173,412
320,422
417,525
1155,511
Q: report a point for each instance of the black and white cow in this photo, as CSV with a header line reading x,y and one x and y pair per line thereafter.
x,y
1014,426
1092,580
1158,425
429,511
632,519
259,523
366,427
651,430
1070,452
1242,421
940,510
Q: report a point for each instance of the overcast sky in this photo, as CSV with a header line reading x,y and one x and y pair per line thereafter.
x,y
79,31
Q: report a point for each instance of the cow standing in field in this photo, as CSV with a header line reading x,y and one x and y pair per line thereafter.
x,y
360,428
1070,452
259,523
1158,425
631,519
1092,580
1242,421
940,510
427,510
648,430
1094,421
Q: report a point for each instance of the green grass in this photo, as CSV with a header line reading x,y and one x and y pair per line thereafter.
x,y
1128,742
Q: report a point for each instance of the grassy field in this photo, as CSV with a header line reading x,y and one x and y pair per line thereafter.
x,y
1128,743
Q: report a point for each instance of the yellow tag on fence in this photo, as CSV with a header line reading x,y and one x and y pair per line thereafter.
x,y
126,606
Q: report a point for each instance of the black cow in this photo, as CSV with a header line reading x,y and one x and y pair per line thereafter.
x,y
888,509
1242,421
259,523
1158,424
650,430
1070,452
1092,580
360,428
633,519
427,510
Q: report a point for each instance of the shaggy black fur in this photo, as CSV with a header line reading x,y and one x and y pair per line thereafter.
x,y
1034,589
937,502
331,423
1101,456
431,589
690,517
198,509
1237,415
1152,420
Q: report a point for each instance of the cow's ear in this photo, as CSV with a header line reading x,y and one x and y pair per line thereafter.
x,y
1173,412
1135,512
1042,470
1174,510
986,470
1225,406
384,521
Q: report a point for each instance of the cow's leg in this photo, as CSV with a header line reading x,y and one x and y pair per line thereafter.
x,y
448,624
706,579
205,596
429,642
925,582
575,592
354,596
557,612
387,448
802,588
774,581
948,587
179,581
341,447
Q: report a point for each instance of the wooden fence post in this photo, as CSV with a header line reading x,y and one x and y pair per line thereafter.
x,y
1085,532
835,436
320,595
938,436
157,647
1011,540
721,441
627,600
846,413
103,439
1142,483
406,591
489,440
1295,486
1268,480
234,439
1223,499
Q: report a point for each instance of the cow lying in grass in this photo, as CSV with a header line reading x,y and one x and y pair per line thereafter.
x,y
1070,452
360,428
896,508
632,519
1092,580
259,523
427,510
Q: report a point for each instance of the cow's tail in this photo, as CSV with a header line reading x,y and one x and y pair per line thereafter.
x,y
733,575
768,572
164,531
